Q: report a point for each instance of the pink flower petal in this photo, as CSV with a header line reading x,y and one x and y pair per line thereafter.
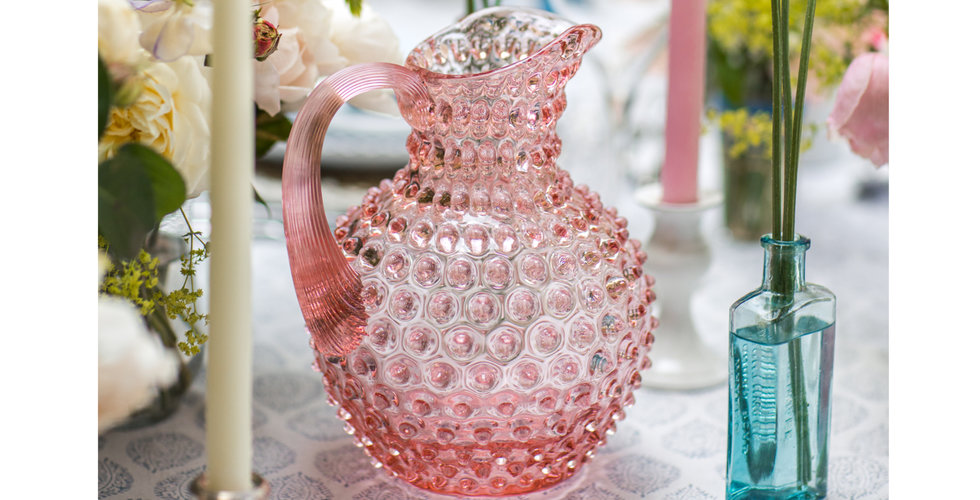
x,y
266,87
860,112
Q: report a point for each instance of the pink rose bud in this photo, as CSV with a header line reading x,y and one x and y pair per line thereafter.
x,y
266,38
860,111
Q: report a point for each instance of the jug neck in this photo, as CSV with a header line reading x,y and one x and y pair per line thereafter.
x,y
496,81
785,264
514,151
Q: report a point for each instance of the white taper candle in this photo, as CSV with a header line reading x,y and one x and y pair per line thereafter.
x,y
228,407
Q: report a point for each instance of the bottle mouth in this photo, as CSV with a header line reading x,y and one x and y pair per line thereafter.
x,y
497,39
799,241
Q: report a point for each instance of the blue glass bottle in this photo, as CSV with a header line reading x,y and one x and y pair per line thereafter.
x,y
781,362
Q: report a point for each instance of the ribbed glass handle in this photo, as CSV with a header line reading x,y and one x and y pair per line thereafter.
x,y
328,289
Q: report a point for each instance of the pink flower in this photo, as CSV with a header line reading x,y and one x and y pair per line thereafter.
x,y
875,38
265,38
860,111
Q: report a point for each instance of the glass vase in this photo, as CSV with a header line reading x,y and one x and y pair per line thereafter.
x,y
747,185
781,360
169,248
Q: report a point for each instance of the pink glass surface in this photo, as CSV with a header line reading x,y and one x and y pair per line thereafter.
x,y
479,320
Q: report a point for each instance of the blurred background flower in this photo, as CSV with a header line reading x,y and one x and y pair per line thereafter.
x,y
740,84
739,64
860,111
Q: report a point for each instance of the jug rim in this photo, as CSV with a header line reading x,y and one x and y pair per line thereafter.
x,y
590,31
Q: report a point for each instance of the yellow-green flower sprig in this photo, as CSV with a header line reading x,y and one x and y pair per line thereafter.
x,y
747,130
747,24
138,281
135,280
185,301
742,29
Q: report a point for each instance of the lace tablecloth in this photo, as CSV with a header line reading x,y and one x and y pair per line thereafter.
x,y
671,445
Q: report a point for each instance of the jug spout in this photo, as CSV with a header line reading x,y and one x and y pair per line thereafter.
x,y
502,42
496,80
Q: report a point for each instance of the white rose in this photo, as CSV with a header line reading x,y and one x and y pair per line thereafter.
x,y
192,123
171,115
132,362
367,38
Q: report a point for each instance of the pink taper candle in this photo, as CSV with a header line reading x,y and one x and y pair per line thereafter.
x,y
685,97
228,406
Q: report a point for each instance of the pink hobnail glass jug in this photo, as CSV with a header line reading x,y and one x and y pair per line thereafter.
x,y
480,321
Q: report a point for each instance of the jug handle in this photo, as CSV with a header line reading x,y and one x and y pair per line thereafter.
x,y
328,289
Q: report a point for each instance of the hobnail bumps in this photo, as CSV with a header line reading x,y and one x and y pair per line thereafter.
x,y
508,312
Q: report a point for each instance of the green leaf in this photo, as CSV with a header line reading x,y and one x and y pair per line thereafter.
x,y
169,191
269,130
137,187
105,96
355,7
126,208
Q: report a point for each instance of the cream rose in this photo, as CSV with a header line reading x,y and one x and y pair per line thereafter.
x,y
170,115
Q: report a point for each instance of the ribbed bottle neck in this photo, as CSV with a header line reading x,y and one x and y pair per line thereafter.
x,y
784,270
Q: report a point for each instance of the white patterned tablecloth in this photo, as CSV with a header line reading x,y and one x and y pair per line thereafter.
x,y
671,445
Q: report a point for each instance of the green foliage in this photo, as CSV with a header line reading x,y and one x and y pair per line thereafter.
x,y
746,130
138,281
137,187
269,130
879,4
739,80
183,301
751,130
740,53
355,7
106,92
134,279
